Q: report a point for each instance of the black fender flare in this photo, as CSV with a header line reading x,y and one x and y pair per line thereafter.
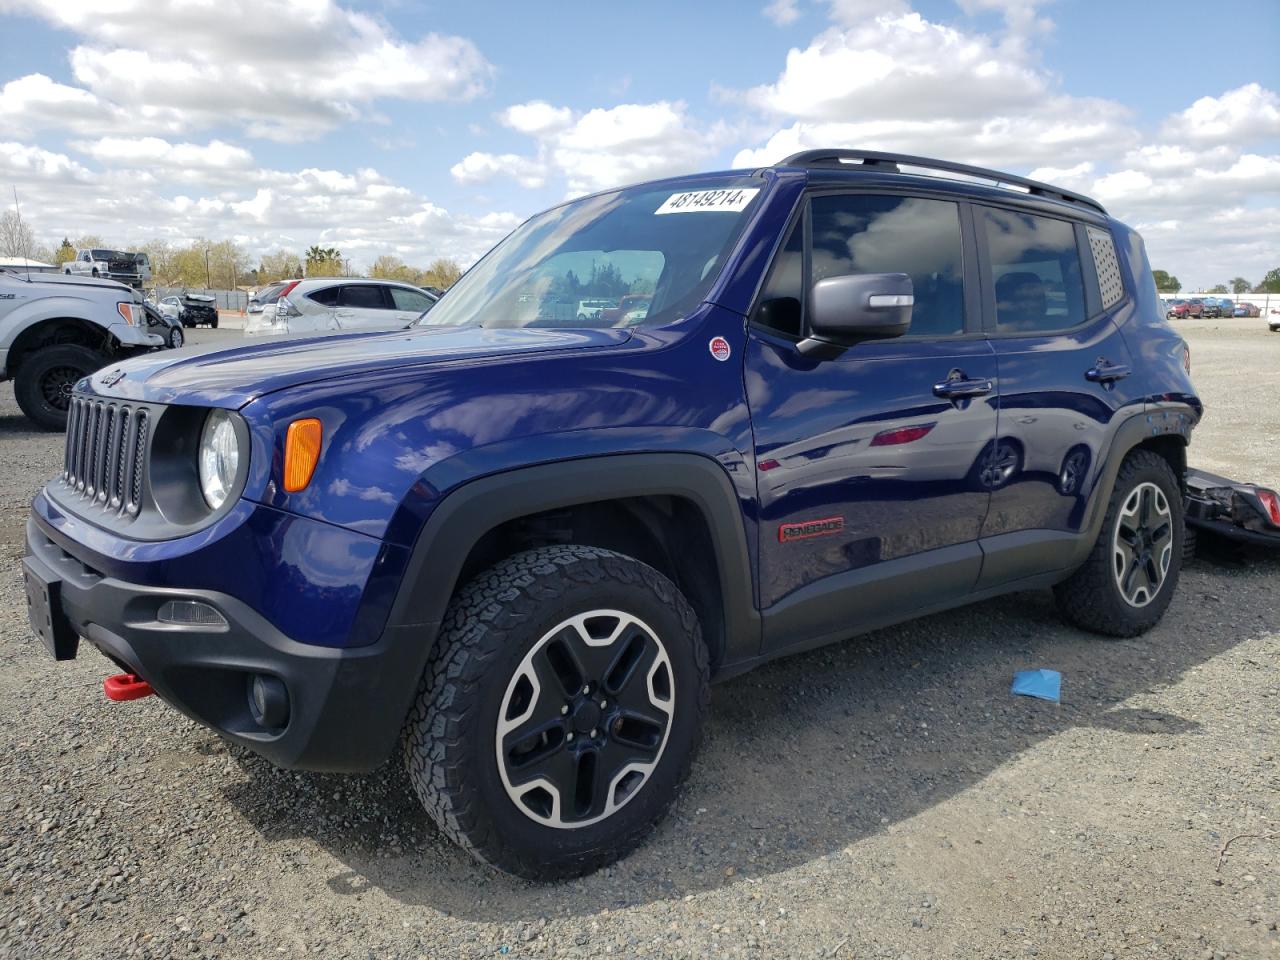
x,y
1173,421
474,508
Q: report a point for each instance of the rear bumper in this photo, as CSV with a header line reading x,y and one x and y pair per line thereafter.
x,y
346,706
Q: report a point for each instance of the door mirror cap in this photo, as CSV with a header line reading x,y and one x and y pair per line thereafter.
x,y
865,306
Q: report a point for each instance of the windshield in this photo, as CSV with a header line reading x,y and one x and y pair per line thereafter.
x,y
643,255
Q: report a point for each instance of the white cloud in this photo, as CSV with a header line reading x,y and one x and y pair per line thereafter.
x,y
1245,114
536,118
152,152
285,69
481,167
782,12
600,148
362,213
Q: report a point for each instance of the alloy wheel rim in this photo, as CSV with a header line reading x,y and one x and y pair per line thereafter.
x,y
585,719
1142,544
1000,465
58,384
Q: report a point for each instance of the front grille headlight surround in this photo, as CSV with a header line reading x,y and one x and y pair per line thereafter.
x,y
199,463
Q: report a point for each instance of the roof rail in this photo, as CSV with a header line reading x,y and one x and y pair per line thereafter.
x,y
888,163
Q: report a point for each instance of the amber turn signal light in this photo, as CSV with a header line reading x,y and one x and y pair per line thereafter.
x,y
301,453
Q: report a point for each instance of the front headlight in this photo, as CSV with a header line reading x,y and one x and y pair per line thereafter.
x,y
219,458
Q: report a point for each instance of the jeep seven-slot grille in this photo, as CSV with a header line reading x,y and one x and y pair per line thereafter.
x,y
106,453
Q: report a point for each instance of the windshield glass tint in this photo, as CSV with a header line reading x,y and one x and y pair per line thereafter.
x,y
636,256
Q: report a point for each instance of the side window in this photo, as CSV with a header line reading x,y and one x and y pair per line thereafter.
x,y
410,299
328,297
1035,268
364,296
1107,266
868,233
781,301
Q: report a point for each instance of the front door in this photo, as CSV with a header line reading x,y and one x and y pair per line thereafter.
x,y
870,466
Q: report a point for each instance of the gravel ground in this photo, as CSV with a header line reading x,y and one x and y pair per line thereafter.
x,y
885,797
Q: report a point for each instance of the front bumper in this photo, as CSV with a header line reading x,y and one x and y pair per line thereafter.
x,y
131,336
345,706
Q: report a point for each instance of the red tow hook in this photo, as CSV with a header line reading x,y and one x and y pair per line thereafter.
x,y
126,686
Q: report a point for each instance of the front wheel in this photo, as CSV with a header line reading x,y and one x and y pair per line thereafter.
x,y
1127,583
46,379
176,337
560,710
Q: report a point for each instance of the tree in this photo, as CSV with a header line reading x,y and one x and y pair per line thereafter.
x,y
324,262
1166,283
1217,288
16,238
390,267
66,252
1240,285
442,273
1270,283
278,265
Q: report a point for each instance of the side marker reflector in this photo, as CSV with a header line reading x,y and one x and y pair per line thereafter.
x,y
301,453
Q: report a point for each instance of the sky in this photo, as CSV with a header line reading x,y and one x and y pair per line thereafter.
x,y
432,129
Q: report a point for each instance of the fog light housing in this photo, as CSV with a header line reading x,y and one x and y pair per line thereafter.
x,y
268,701
190,613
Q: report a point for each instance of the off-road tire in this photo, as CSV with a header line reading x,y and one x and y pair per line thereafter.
x,y
1090,598
33,384
489,626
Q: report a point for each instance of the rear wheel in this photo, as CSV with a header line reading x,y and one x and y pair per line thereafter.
x,y
46,379
1128,581
561,709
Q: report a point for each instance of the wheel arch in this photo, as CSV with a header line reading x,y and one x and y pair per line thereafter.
x,y
44,331
676,512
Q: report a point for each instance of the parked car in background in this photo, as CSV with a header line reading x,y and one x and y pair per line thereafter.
x,y
1195,307
1273,321
336,304
1177,309
1226,307
191,309
55,330
1244,308
167,326
632,305
267,296
133,269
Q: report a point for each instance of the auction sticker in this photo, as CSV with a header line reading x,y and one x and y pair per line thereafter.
x,y
709,201
719,347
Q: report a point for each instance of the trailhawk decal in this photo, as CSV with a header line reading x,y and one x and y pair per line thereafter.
x,y
703,201
720,348
827,526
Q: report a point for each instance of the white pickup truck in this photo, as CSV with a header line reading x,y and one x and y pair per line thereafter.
x,y
133,269
54,330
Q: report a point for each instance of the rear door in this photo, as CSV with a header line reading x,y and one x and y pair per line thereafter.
x,y
1065,378
867,465
364,306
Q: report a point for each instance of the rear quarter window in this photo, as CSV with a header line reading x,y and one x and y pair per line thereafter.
x,y
1107,266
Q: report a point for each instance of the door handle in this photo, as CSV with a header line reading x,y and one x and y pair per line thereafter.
x,y
961,388
1104,371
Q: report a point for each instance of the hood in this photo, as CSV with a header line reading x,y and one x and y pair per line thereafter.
x,y
232,378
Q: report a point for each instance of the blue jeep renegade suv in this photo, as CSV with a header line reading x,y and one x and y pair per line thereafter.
x,y
515,542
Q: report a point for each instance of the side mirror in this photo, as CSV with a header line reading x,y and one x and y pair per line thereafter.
x,y
865,306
